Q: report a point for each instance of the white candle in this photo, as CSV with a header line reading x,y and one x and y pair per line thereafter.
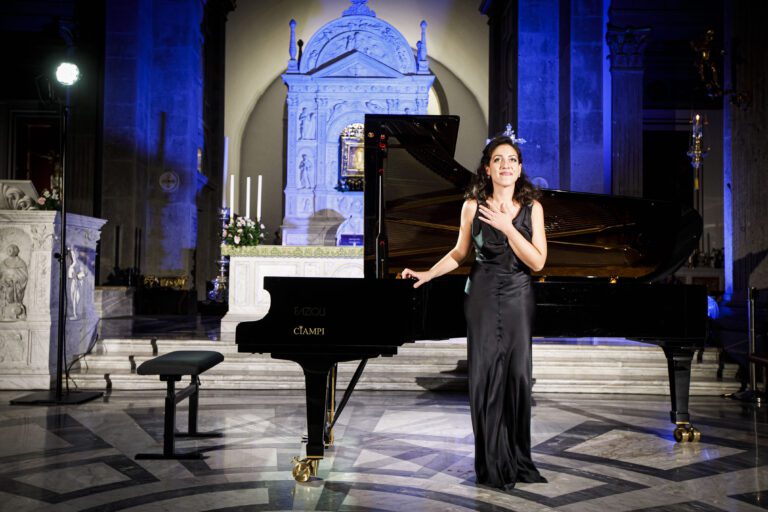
x,y
258,200
248,197
232,194
224,181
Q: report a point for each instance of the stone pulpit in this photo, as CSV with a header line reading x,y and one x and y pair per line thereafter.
x,y
29,294
354,65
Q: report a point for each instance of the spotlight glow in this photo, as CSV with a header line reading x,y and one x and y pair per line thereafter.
x,y
67,73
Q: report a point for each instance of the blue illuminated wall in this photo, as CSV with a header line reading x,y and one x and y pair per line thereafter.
x,y
152,132
560,92
538,88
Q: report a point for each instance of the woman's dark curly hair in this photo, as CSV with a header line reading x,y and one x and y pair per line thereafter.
x,y
481,186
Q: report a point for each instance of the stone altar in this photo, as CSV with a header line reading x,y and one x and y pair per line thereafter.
x,y
29,288
354,65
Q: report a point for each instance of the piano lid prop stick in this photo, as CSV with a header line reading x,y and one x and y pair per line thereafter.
x,y
224,180
258,199
248,197
231,195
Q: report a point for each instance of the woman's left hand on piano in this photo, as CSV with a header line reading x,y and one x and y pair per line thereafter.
x,y
419,277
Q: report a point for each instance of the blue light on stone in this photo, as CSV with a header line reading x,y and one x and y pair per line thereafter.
x,y
354,65
713,309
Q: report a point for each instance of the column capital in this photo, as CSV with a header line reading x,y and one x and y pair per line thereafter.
x,y
627,45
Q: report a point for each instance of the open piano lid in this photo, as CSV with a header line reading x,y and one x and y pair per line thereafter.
x,y
589,235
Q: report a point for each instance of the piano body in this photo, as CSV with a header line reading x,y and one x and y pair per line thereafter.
x,y
606,256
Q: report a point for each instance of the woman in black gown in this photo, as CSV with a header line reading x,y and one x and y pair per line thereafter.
x,y
504,223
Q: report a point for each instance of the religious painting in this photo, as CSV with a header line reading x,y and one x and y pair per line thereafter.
x,y
17,195
352,167
35,147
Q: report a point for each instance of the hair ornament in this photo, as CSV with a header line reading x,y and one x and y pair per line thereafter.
x,y
508,132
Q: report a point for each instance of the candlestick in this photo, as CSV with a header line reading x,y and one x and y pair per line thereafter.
x,y
248,197
232,193
224,180
258,199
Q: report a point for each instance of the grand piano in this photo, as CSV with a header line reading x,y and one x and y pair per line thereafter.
x,y
608,259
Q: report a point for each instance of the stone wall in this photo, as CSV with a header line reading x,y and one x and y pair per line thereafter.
x,y
152,134
746,153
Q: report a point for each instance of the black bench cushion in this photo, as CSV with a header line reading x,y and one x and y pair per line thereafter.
x,y
181,362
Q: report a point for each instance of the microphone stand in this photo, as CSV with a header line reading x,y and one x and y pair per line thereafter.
x,y
58,396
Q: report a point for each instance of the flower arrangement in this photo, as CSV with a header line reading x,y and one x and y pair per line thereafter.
x,y
49,200
242,232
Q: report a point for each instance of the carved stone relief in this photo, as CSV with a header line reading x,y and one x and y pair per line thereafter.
x,y
42,236
324,97
306,124
12,347
15,252
305,172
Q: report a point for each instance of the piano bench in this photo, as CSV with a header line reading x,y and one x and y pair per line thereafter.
x,y
171,367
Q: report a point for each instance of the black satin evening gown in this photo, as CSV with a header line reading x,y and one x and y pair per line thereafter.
x,y
499,308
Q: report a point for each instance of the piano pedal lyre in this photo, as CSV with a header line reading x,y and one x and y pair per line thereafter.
x,y
303,469
685,432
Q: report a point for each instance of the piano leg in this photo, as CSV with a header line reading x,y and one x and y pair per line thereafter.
x,y
679,367
316,380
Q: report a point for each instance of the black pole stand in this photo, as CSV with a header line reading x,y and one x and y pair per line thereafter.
x,y
58,396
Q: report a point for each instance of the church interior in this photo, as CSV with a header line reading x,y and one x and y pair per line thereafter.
x,y
197,195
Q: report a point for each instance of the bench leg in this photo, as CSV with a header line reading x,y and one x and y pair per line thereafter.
x,y
169,424
192,423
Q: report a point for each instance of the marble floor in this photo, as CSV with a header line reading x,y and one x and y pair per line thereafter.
x,y
395,451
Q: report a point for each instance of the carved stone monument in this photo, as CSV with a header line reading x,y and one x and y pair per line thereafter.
x,y
354,65
29,294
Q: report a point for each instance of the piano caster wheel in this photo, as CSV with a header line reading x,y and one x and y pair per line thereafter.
x,y
695,435
681,435
303,469
687,433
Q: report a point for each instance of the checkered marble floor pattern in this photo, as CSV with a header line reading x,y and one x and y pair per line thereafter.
x,y
394,451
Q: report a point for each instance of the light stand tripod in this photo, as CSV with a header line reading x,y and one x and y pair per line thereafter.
x,y
58,396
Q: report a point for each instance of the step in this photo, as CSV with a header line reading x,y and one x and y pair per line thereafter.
x,y
616,367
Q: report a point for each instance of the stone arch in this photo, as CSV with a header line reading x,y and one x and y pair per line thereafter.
x,y
367,34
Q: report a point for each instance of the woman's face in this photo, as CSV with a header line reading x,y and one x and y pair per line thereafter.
x,y
504,167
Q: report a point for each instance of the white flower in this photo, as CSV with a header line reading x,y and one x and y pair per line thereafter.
x,y
237,239
262,226
223,233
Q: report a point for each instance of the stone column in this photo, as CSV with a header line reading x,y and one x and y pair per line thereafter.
x,y
502,79
127,62
175,126
539,101
745,155
627,45
586,102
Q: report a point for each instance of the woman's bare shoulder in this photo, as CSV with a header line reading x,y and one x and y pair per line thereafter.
x,y
468,210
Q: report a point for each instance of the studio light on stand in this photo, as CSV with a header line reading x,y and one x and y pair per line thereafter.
x,y
67,75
